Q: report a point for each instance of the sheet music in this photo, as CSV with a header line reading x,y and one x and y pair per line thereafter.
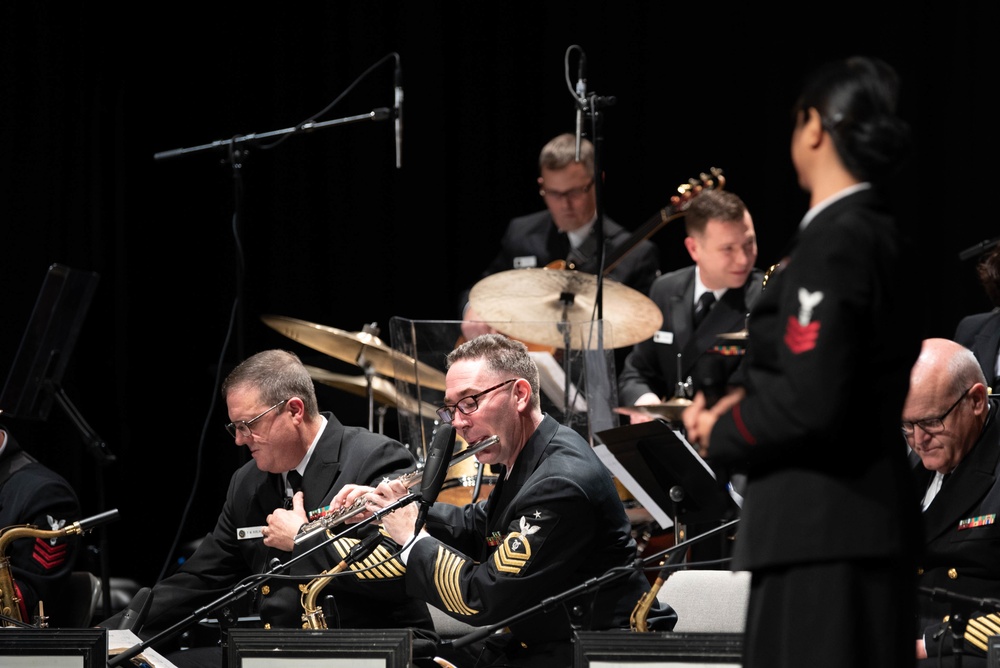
x,y
629,483
120,640
682,439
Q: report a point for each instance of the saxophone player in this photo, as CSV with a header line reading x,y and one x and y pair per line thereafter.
x,y
34,494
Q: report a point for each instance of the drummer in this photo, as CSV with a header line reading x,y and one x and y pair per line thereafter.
x,y
723,245
563,235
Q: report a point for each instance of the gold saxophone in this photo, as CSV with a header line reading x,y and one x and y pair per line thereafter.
x,y
312,614
641,611
9,600
353,551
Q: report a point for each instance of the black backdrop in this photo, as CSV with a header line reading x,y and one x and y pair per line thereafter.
x,y
332,232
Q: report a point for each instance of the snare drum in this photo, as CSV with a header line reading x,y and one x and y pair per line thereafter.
x,y
461,481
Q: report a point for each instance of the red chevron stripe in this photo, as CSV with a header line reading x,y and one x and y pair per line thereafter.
x,y
799,338
49,556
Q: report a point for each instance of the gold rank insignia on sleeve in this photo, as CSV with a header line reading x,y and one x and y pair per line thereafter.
x,y
979,629
378,565
515,551
447,572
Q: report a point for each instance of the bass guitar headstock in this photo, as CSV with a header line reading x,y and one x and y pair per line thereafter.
x,y
715,180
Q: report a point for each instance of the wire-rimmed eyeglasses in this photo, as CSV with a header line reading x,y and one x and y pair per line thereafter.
x,y
572,193
467,405
243,426
934,425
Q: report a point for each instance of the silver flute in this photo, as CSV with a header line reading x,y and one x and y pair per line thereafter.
x,y
411,479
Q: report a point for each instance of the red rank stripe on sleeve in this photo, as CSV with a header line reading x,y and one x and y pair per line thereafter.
x,y
49,556
801,338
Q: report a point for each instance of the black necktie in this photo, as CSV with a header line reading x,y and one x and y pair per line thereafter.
x,y
295,482
703,307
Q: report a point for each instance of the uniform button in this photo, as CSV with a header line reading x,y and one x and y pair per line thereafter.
x,y
952,574
920,571
265,590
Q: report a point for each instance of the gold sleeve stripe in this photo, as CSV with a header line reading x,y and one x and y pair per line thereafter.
x,y
979,629
344,545
447,568
382,567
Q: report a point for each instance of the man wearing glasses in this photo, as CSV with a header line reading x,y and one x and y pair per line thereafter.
x,y
563,233
950,422
301,458
552,522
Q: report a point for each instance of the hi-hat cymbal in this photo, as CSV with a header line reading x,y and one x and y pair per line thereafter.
x,y
672,409
359,348
383,391
536,305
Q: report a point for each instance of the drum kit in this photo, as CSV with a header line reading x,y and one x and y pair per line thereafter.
x,y
545,307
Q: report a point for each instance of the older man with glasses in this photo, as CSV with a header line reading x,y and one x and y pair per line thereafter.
x,y
949,421
301,458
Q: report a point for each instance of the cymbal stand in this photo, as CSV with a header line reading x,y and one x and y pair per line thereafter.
x,y
682,385
566,299
369,371
382,410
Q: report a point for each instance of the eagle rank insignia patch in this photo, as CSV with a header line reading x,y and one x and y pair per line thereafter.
x,y
515,550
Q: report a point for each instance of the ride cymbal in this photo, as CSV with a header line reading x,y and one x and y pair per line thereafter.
x,y
555,307
383,391
360,348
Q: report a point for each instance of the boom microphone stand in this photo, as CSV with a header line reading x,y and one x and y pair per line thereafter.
x,y
592,584
249,583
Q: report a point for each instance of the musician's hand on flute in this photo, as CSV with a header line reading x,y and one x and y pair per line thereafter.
x,y
347,497
283,525
400,522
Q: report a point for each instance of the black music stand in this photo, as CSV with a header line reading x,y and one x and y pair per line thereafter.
x,y
674,476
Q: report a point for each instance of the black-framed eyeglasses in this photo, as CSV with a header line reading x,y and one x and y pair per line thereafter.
x,y
572,193
933,425
243,426
467,405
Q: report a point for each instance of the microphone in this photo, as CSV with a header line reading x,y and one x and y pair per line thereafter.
x,y
138,608
435,469
939,594
581,102
397,113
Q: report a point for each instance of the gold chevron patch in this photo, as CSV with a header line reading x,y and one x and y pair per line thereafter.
x,y
378,565
447,572
979,629
513,553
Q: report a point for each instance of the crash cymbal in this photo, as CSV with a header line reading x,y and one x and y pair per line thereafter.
x,y
672,409
383,391
359,348
535,305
